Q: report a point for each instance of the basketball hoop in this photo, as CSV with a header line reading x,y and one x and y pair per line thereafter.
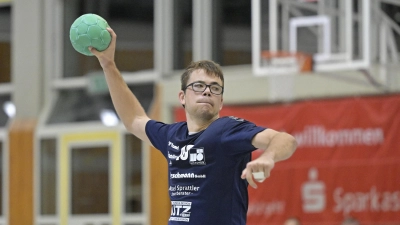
x,y
287,61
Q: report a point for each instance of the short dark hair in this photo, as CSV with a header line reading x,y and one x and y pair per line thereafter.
x,y
210,67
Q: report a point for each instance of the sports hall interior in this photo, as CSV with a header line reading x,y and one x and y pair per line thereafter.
x,y
66,159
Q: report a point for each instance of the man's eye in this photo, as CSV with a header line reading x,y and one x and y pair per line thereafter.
x,y
216,88
198,85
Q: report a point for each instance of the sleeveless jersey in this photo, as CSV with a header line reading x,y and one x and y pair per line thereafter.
x,y
205,187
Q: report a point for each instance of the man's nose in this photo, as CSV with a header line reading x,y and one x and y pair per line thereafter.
x,y
207,92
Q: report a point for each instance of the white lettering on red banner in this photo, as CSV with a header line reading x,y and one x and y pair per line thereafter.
x,y
318,136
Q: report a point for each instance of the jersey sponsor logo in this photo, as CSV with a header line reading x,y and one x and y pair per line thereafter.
x,y
170,156
183,190
184,152
170,144
195,156
186,175
180,211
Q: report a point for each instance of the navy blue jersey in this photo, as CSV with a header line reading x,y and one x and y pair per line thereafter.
x,y
204,169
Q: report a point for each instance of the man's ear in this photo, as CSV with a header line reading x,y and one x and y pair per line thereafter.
x,y
181,96
222,102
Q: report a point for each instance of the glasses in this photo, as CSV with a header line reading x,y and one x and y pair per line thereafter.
x,y
216,89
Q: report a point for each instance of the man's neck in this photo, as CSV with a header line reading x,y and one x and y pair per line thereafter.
x,y
197,125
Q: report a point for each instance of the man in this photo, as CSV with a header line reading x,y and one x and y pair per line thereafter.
x,y
209,157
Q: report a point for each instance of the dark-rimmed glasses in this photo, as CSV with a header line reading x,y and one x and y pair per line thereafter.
x,y
216,89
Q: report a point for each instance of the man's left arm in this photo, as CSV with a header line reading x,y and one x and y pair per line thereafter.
x,y
276,146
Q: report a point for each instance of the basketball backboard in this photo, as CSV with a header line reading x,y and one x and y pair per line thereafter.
x,y
336,34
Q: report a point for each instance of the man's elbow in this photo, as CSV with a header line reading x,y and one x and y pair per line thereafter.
x,y
293,143
287,146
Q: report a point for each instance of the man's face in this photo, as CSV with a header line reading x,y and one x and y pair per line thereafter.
x,y
205,105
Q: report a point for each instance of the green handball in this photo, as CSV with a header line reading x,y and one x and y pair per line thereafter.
x,y
89,30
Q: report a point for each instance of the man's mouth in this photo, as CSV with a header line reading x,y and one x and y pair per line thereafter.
x,y
205,102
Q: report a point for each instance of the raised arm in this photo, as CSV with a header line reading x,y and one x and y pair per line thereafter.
x,y
276,146
125,102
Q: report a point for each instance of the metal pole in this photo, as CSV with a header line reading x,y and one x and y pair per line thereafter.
x,y
255,35
202,29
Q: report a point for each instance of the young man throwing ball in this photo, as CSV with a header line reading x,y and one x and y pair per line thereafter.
x,y
209,157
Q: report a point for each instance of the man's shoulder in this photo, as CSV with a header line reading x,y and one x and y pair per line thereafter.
x,y
226,122
154,124
179,123
234,118
231,119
